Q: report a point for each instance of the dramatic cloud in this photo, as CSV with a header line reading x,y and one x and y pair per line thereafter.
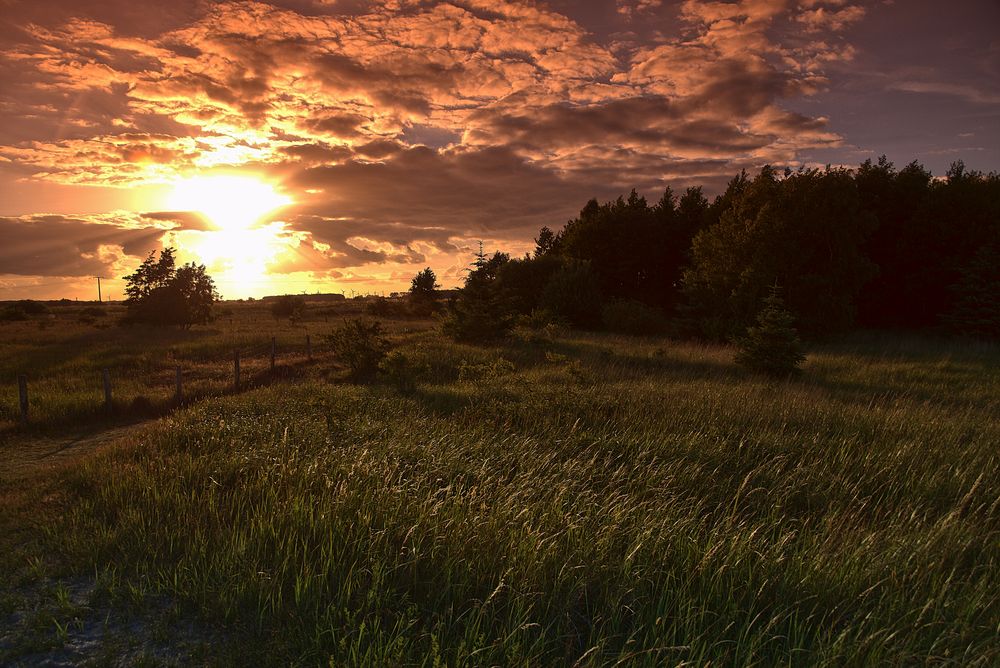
x,y
402,129
96,246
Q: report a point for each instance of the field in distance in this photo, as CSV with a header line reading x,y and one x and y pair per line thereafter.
x,y
575,499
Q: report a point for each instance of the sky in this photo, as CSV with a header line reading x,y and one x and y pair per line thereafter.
x,y
341,146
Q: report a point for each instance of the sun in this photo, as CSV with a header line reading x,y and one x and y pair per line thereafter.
x,y
240,243
228,202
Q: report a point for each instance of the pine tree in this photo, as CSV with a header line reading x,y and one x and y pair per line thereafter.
x,y
480,312
773,346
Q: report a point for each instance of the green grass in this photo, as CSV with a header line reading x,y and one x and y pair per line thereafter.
x,y
63,358
615,501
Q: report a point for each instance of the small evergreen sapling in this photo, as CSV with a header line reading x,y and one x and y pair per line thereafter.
x,y
773,346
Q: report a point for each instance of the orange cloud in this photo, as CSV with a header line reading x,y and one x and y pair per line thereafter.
x,y
414,126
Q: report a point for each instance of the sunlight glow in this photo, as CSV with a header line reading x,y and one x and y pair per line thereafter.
x,y
240,244
230,202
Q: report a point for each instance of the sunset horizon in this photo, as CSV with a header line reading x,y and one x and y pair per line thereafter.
x,y
388,136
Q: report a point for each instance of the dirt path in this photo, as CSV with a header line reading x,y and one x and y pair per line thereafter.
x,y
30,454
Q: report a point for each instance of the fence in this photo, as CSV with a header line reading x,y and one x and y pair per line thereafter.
x,y
268,351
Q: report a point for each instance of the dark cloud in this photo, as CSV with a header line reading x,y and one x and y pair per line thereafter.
x,y
48,245
463,192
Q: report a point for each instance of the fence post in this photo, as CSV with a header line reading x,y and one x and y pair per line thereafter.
x,y
309,348
178,387
22,390
272,354
106,375
236,369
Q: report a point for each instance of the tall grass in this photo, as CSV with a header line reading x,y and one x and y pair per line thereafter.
x,y
615,501
63,359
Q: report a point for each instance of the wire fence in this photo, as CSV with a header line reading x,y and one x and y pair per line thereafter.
x,y
176,380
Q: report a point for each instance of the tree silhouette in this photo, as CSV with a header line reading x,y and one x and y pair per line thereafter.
x,y
874,246
804,230
545,242
157,293
424,291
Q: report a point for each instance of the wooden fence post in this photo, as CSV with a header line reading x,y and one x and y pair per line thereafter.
x,y
106,376
236,369
22,390
309,348
178,387
272,354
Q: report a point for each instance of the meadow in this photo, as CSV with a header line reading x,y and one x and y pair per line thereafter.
x,y
64,353
582,499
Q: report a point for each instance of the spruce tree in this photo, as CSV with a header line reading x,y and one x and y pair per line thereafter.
x,y
772,346
481,312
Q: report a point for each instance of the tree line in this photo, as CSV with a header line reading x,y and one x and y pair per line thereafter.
x,y
872,247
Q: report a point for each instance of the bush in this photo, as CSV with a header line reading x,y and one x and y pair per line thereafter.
x,y
360,344
573,294
93,312
540,318
773,346
628,316
401,371
162,306
477,320
541,326
13,313
288,306
385,307
31,307
485,373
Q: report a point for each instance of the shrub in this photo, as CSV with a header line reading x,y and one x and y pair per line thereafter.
x,y
628,316
477,319
93,312
360,344
401,371
385,307
31,307
486,372
773,346
540,318
13,313
288,306
573,367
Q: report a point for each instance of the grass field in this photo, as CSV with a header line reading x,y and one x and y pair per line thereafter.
x,y
63,356
592,500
